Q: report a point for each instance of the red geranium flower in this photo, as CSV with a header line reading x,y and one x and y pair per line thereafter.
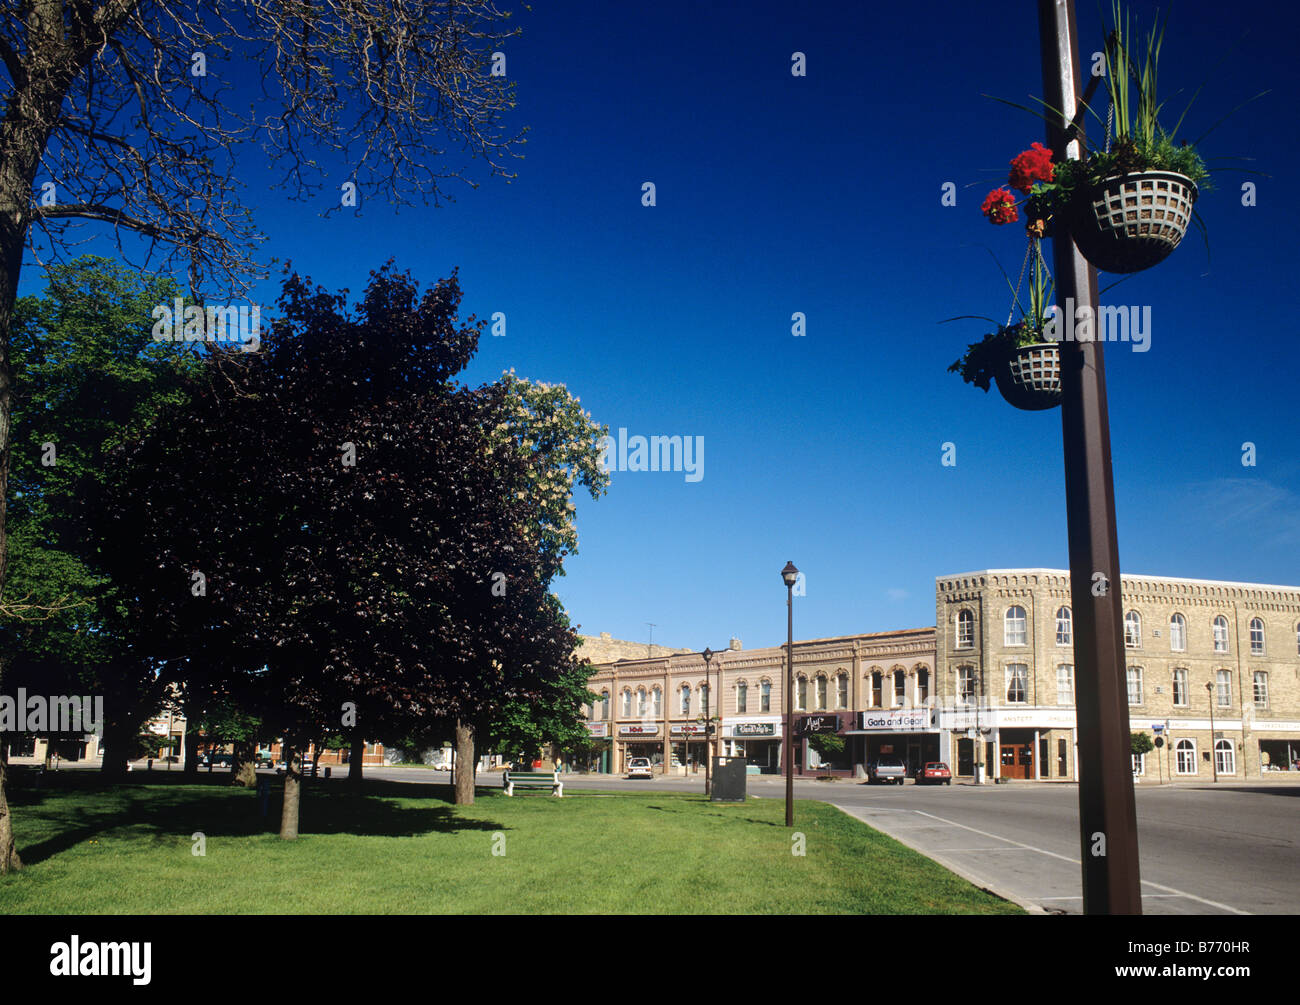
x,y
1034,164
1000,207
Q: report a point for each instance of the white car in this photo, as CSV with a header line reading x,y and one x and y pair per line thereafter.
x,y
639,767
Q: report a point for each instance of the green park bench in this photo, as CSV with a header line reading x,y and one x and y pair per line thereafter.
x,y
532,780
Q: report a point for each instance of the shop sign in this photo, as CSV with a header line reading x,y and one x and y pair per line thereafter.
x,y
754,729
819,724
690,729
652,731
598,729
895,721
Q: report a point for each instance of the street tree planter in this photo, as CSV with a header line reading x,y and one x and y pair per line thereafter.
x,y
1130,222
1031,378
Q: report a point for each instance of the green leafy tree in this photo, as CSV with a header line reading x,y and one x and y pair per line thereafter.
x,y
1141,743
89,374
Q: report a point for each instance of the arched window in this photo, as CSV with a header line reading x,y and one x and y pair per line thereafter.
x,y
627,703
742,697
704,699
686,699
765,696
922,685
965,629
1297,638
1256,637
900,687
801,694
842,690
1225,757
657,702
1064,627
877,689
1014,630
821,692
604,704
1220,634
1186,757
640,702
1132,629
1178,633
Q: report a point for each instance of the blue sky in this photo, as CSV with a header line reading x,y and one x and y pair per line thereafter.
x,y
821,195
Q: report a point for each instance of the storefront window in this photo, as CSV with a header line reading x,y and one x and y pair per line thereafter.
x,y
1225,757
1186,750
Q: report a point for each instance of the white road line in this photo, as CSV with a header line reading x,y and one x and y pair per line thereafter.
x,y
1172,891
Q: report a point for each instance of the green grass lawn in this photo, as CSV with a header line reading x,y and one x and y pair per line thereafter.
x,y
93,848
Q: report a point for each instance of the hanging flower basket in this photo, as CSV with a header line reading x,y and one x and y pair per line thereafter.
x,y
1031,378
1127,223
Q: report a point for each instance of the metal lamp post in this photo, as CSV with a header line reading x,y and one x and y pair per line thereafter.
x,y
790,575
1214,754
708,723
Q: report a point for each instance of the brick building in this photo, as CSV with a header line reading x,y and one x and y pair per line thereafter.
x,y
997,671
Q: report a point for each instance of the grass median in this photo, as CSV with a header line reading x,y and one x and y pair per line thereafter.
x,y
95,848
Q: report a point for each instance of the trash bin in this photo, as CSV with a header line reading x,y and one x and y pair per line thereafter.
x,y
728,780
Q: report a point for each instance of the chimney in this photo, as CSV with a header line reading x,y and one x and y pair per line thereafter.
x,y
735,644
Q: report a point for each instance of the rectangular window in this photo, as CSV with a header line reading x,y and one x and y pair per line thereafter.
x,y
1135,685
900,687
1261,689
842,691
1257,637
877,688
1062,758
821,694
801,693
1017,683
1180,687
923,686
965,630
1223,680
1065,685
966,684
742,699
1139,764
765,697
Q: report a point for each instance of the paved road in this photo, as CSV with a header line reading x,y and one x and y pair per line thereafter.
x,y
1227,849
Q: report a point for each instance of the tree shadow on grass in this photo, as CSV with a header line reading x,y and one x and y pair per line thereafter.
x,y
164,813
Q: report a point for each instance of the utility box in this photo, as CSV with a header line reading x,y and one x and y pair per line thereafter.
x,y
728,780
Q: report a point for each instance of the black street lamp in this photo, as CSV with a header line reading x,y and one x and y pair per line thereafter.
x,y
790,575
1214,754
708,720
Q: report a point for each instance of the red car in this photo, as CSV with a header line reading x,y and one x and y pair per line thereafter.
x,y
934,773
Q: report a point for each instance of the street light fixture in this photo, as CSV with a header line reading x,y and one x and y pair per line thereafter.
x,y
790,575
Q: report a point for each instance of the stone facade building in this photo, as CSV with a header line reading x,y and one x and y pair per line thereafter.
x,y
992,686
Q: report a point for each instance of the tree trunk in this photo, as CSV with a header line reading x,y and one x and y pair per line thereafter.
x,y
9,859
117,743
292,793
464,791
244,770
355,760
191,752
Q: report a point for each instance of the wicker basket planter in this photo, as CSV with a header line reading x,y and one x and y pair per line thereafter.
x,y
1127,223
1031,379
